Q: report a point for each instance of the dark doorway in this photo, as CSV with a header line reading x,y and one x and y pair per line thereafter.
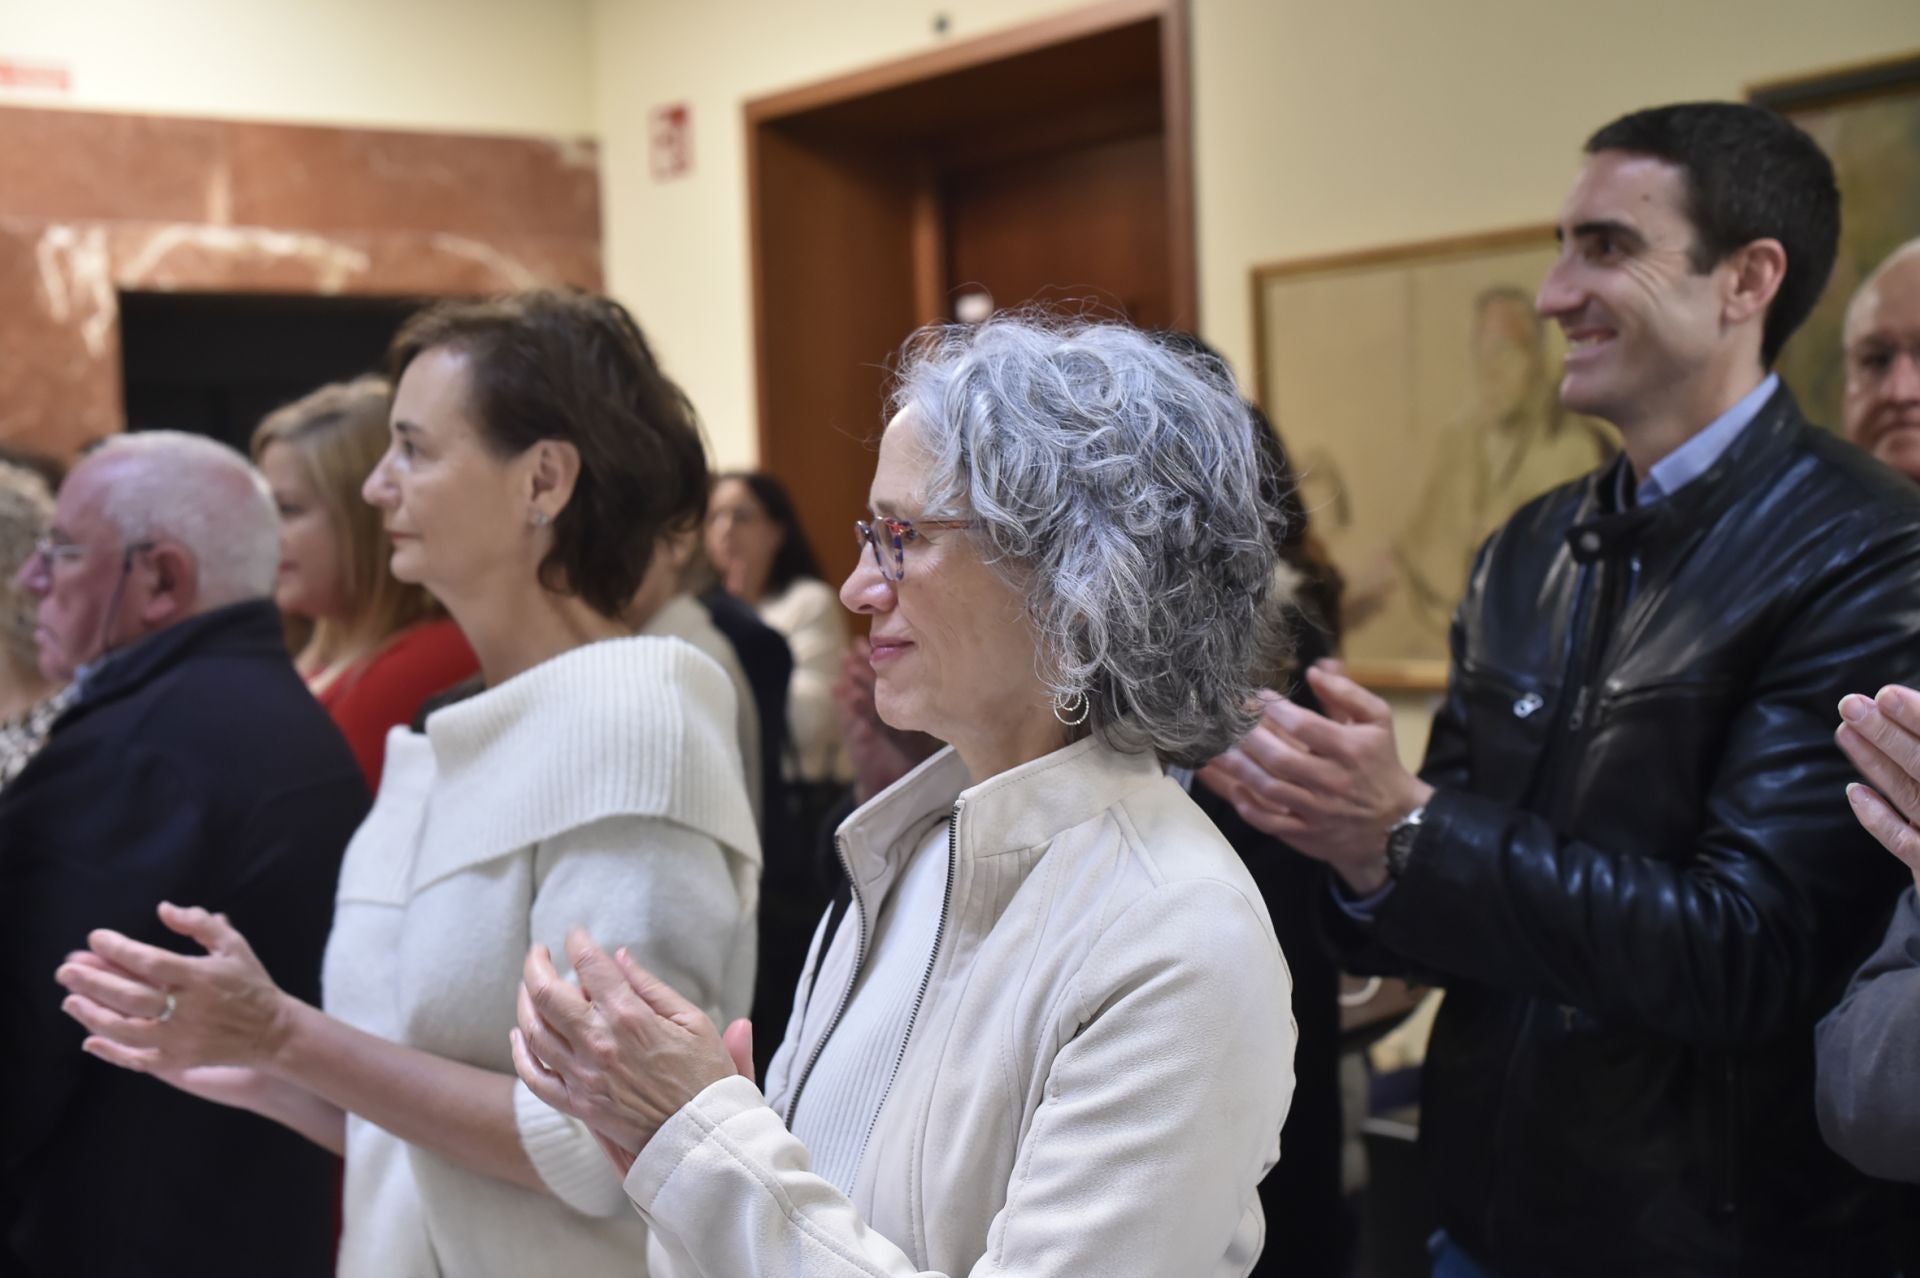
x,y
216,363
1046,163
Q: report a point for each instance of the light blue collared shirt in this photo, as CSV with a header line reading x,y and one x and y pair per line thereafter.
x,y
1664,478
1696,457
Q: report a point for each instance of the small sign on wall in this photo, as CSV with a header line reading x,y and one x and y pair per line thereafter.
x,y
670,130
41,77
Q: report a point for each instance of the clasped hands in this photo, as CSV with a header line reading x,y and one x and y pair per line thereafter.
x,y
1330,785
622,1051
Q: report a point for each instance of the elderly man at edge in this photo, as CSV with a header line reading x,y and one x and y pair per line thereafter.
x,y
192,763
1869,1046
1881,347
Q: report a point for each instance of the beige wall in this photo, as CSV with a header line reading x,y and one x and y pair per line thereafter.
x,y
1318,127
677,250
477,66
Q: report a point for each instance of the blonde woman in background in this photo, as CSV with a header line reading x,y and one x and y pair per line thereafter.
x,y
379,646
29,701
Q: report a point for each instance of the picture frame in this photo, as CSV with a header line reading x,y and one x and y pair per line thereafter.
x,y
1414,389
1866,116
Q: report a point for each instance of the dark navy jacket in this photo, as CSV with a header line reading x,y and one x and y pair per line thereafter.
x,y
195,767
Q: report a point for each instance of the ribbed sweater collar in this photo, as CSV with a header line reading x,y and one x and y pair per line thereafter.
x,y
623,727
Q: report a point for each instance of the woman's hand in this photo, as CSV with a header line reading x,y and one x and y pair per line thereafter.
x,y
162,1013
623,1052
1881,734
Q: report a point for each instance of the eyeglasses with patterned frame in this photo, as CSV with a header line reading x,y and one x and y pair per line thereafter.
x,y
893,563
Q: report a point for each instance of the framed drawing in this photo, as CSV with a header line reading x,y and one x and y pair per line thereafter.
x,y
1867,119
1415,390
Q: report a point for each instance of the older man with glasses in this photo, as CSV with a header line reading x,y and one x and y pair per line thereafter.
x,y
191,764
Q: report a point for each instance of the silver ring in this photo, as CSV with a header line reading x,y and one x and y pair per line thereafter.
x,y
166,1013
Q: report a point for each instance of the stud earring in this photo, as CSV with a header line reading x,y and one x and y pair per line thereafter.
x,y
540,518
1072,708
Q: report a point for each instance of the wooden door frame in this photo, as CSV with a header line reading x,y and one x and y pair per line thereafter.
x,y
1063,28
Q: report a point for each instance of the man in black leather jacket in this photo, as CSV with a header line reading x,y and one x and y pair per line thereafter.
x,y
1628,856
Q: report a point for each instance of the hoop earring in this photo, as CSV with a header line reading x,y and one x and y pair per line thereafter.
x,y
1073,708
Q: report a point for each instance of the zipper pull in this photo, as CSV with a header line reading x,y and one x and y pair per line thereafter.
x,y
1578,718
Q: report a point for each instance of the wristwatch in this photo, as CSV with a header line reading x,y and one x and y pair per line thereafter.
x,y
1400,840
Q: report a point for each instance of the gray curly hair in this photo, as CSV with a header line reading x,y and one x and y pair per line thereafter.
x,y
1112,477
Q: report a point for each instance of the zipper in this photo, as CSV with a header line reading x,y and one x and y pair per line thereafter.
x,y
846,995
1578,662
926,980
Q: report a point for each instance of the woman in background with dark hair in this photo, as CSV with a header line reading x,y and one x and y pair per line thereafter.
x,y
1311,1230
538,459
756,545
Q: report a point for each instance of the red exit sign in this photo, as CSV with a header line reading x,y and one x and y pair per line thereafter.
x,y
670,138
45,76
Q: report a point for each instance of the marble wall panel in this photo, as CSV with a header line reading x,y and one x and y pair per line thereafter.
x,y
293,177
93,204
59,338
90,165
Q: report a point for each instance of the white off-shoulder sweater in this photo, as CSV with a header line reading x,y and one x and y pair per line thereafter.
x,y
602,788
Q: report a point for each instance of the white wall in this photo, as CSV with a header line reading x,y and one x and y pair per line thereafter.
x,y
677,250
471,66
1323,127
1318,127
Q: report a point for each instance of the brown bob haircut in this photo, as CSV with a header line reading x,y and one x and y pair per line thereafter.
x,y
574,367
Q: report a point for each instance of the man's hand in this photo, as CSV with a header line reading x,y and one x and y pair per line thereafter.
x,y
1332,786
1881,734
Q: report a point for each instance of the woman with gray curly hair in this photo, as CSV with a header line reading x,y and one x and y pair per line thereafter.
x,y
1051,1037
29,701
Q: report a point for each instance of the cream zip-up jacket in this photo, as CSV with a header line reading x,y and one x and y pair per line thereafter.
x,y
1092,1083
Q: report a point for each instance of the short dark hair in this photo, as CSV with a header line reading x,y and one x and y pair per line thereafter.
x,y
795,558
572,366
1750,175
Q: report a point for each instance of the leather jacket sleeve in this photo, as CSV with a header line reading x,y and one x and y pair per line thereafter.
x,y
1445,766
1738,936
1866,1049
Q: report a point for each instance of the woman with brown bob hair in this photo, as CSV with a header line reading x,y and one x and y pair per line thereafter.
x,y
538,458
377,647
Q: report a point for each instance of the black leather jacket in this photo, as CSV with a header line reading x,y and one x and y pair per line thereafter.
x,y
1640,880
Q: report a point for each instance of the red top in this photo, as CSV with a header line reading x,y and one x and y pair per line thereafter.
x,y
390,686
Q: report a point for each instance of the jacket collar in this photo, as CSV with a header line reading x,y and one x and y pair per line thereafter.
x,y
1020,808
1601,531
249,629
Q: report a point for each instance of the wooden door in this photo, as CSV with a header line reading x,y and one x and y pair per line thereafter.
x,y
1047,163
1083,225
